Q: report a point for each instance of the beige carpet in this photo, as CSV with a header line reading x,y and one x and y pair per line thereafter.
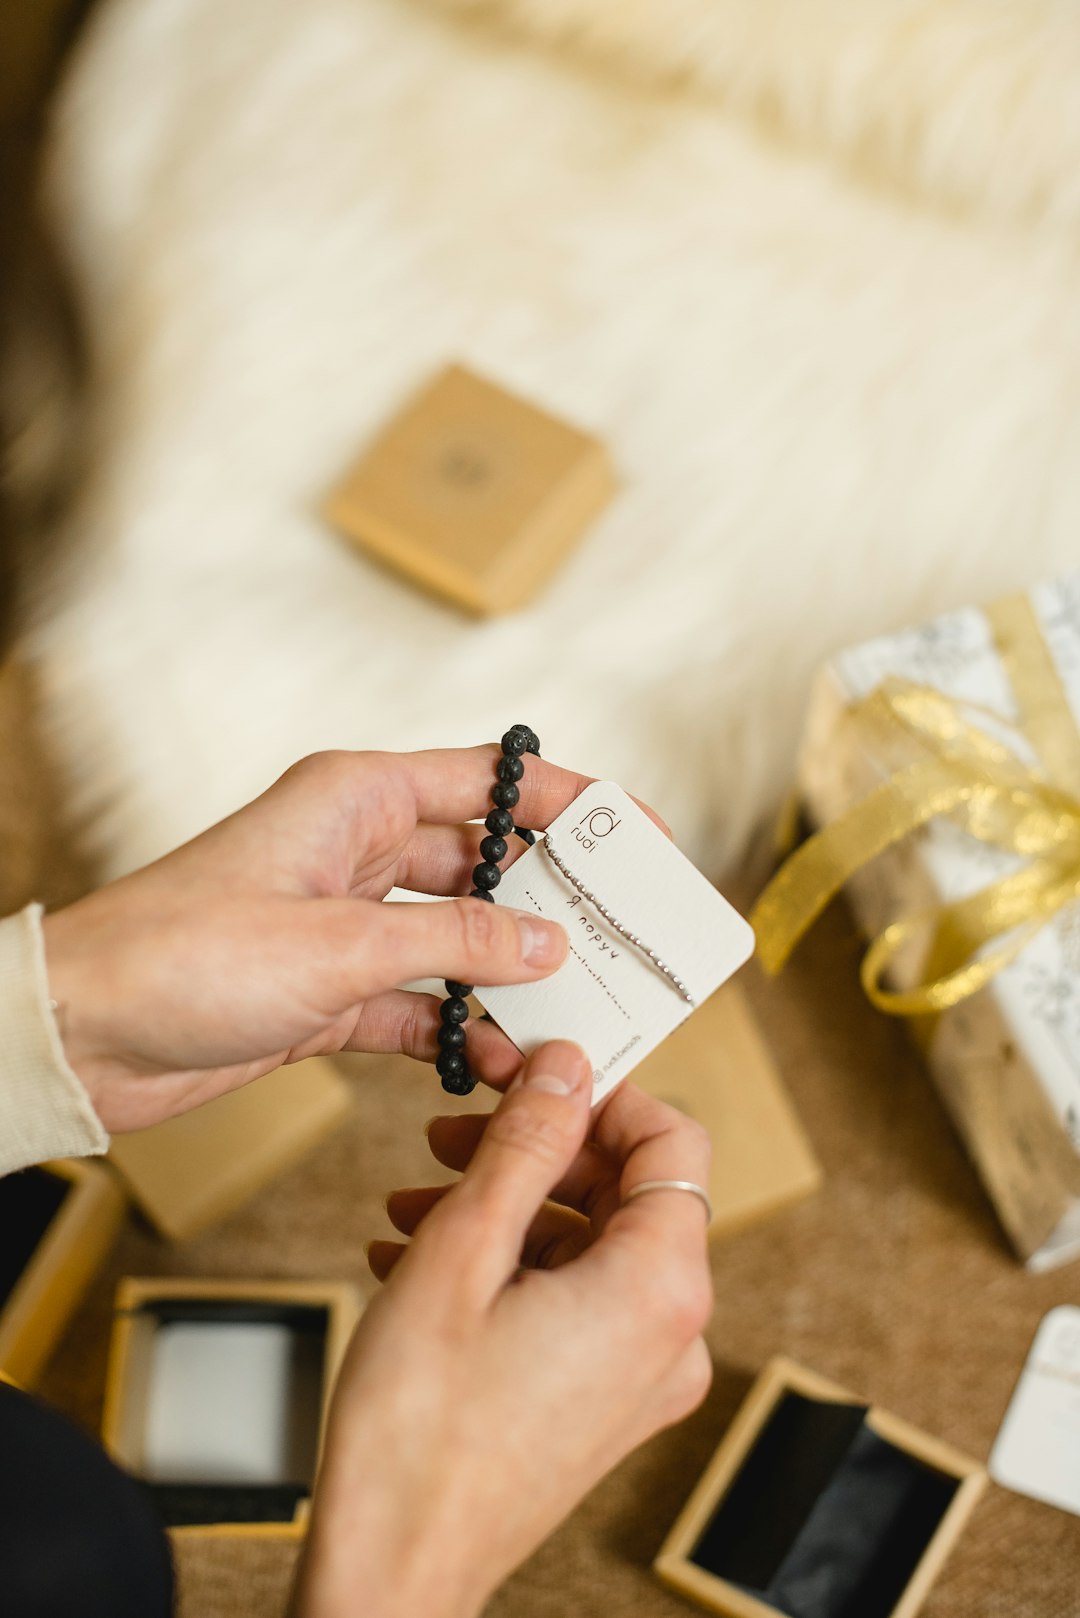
x,y
893,1280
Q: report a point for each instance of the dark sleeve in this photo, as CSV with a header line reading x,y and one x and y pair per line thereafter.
x,y
78,1537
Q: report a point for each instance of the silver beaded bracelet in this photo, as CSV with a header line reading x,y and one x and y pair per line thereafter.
x,y
613,921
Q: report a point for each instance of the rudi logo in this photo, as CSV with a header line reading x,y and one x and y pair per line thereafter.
x,y
596,824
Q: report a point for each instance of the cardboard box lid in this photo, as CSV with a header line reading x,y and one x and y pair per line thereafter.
x,y
71,1247
717,1068
189,1171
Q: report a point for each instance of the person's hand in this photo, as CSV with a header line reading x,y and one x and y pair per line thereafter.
x,y
478,1402
264,940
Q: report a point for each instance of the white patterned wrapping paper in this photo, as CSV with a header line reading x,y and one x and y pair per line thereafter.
x,y
1039,992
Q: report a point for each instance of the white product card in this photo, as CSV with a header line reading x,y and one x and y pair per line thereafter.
x,y
1037,1451
608,996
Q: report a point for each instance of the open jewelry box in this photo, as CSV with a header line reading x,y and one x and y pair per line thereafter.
x,y
57,1223
818,1506
216,1396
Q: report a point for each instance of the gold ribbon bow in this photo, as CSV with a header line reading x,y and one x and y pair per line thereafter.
x,y
947,765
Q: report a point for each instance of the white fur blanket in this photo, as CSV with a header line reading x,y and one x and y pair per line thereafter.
x,y
809,266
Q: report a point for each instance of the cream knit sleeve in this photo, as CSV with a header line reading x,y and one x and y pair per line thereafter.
x,y
44,1110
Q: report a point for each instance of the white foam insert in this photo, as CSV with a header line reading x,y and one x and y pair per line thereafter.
x,y
219,1403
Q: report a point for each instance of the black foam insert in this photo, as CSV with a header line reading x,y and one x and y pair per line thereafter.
x,y
299,1317
194,1504
29,1202
825,1518
191,1505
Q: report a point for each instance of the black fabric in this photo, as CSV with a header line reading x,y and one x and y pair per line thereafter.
x,y
29,1202
78,1537
863,1540
826,1519
777,1486
302,1317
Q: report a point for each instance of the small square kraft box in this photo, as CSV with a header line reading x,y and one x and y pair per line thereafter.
x,y
57,1223
818,1506
216,1397
196,1168
717,1068
473,493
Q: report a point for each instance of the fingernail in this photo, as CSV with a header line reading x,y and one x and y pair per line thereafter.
x,y
560,1069
543,943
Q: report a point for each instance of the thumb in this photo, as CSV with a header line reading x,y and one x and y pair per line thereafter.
x,y
532,1138
364,947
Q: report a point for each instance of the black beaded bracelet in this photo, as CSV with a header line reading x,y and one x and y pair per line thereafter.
x,y
452,1064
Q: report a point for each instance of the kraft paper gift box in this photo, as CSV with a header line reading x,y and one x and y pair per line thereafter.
x,y
817,1505
57,1223
192,1170
953,750
216,1397
473,492
717,1068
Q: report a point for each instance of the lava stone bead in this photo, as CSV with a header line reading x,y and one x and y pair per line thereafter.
x,y
486,875
449,1065
500,822
459,1084
516,741
509,769
451,1036
454,1010
525,834
493,849
532,740
482,893
461,990
504,794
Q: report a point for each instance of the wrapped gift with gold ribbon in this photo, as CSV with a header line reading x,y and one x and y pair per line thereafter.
x,y
942,766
